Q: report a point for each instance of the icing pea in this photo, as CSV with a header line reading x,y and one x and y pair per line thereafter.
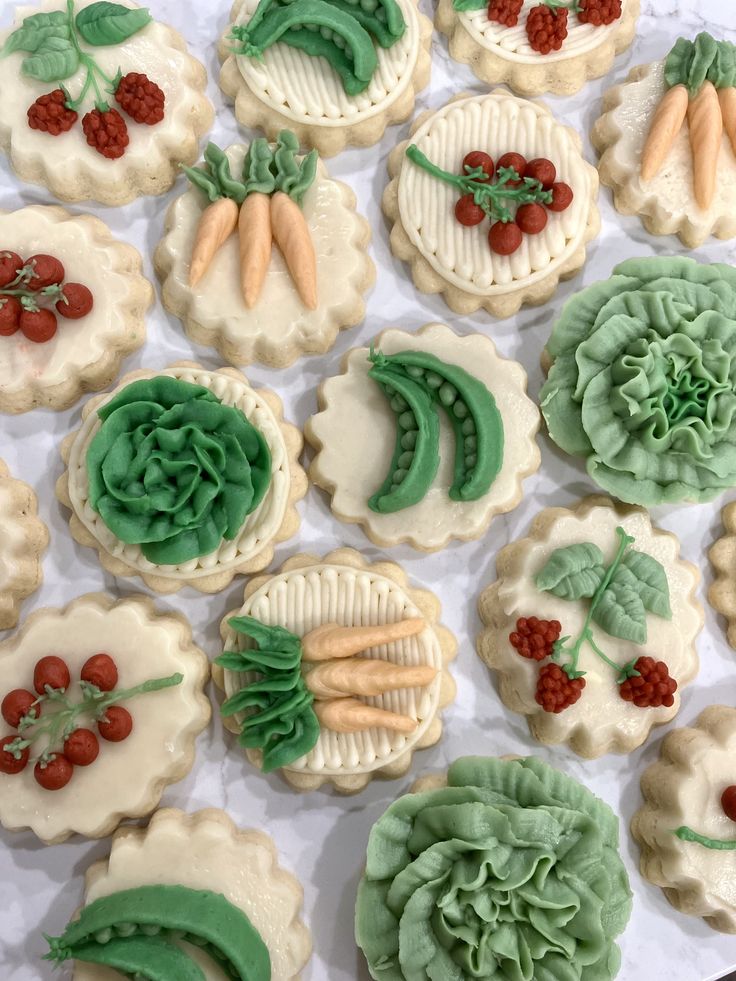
x,y
369,5
326,33
414,371
460,409
471,444
399,476
102,936
409,440
470,460
407,421
398,404
433,379
447,394
405,460
125,929
468,428
150,929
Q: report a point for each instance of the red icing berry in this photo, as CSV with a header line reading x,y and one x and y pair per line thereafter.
x,y
82,747
477,158
106,132
117,724
728,802
652,687
10,265
531,218
51,671
10,310
468,212
542,170
561,197
47,271
516,161
100,670
38,326
8,762
141,98
535,638
55,774
50,114
16,704
505,12
546,28
556,691
504,237
599,12
76,301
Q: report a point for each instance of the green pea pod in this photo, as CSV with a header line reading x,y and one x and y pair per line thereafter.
x,y
385,22
416,455
152,958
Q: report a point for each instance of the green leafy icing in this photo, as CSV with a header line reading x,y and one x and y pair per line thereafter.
x,y
643,380
134,931
217,181
110,23
715,844
174,470
292,176
691,63
279,718
511,871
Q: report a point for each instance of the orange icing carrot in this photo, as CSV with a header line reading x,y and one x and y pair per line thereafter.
x,y
666,124
706,130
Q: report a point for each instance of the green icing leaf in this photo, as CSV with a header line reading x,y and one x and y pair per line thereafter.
x,y
110,23
572,572
219,166
258,174
292,177
462,5
55,59
690,63
649,580
620,611
36,29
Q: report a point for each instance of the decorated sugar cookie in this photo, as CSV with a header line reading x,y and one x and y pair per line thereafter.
x,y
189,898
336,72
667,140
231,287
101,704
23,539
686,828
591,626
538,46
492,203
722,592
447,436
72,306
183,477
447,863
100,102
335,670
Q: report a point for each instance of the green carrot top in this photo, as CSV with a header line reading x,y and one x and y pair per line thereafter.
x,y
691,63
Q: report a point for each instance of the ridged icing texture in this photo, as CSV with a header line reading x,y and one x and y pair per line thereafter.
x,y
495,123
512,871
643,384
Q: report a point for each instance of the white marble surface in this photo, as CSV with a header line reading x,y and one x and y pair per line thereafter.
x,y
322,837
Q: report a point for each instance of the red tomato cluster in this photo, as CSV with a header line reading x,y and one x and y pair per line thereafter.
x,y
24,279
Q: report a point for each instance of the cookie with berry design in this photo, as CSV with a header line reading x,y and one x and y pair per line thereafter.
x,y
101,704
686,827
23,539
72,306
100,102
591,625
491,203
538,46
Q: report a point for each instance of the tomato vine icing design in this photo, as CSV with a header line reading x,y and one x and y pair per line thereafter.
x,y
620,596
530,188
48,718
265,205
417,383
343,32
134,931
700,76
728,804
53,46
26,285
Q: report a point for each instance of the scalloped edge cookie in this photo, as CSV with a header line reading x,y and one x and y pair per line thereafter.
x,y
722,555
557,78
217,581
329,140
27,575
427,603
428,280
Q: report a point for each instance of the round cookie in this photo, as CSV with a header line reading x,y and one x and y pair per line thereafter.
x,y
160,694
23,539
85,352
457,259
591,627
722,593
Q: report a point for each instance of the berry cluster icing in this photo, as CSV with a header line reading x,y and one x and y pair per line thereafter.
x,y
26,285
546,23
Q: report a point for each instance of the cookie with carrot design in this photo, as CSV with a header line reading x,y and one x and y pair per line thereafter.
x,y
264,257
667,140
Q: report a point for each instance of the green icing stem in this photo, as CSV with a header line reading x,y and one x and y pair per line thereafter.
x,y
717,844
152,958
258,168
207,917
217,181
292,176
691,63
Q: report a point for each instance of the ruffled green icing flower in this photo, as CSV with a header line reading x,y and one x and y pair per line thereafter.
x,y
511,873
643,380
174,470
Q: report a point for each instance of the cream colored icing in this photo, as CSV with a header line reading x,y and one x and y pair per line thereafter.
x,y
354,403
127,778
260,526
307,90
512,43
206,851
496,123
12,534
151,147
308,597
216,303
86,260
600,712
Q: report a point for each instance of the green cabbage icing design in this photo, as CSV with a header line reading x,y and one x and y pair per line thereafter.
x,y
643,380
691,63
174,470
511,872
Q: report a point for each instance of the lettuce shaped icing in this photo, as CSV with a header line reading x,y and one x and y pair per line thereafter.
x,y
511,872
643,380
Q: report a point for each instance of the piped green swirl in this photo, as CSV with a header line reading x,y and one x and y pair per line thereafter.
x,y
512,872
691,63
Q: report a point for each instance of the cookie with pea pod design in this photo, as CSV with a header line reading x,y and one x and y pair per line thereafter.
x,y
448,434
